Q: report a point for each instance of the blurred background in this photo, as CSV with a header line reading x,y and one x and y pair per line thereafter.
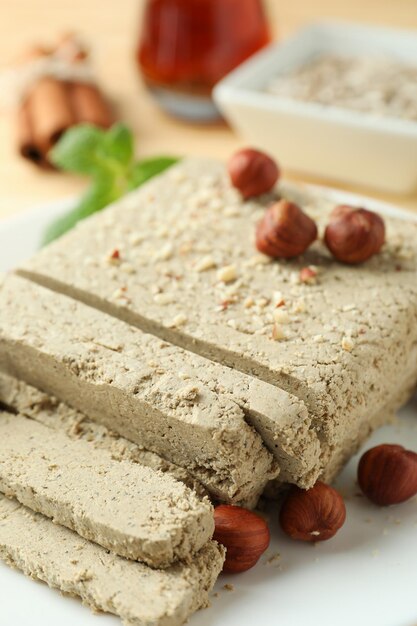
x,y
111,30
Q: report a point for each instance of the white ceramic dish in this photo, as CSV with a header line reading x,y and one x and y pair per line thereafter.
x,y
366,575
338,144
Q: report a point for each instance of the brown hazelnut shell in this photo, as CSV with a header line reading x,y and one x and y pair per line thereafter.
x,y
354,235
387,474
244,534
314,514
253,172
285,231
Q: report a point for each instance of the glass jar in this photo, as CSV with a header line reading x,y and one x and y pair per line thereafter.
x,y
187,46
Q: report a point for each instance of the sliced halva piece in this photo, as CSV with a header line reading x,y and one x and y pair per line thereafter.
x,y
337,456
125,507
339,340
129,382
285,426
355,435
140,595
18,396
46,409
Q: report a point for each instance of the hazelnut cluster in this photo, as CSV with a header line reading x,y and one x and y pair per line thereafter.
x,y
353,235
387,475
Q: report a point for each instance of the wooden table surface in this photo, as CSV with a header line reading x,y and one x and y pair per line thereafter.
x,y
111,30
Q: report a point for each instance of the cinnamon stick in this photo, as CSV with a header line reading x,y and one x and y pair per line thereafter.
x,y
25,140
89,105
51,112
52,105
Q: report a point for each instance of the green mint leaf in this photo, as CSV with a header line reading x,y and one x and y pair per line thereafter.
x,y
146,169
77,150
118,145
98,196
107,157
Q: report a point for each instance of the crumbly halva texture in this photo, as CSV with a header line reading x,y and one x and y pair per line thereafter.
x,y
341,341
20,397
140,595
129,382
46,409
366,424
280,418
125,507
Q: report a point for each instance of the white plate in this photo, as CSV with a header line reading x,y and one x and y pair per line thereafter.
x,y
350,146
365,576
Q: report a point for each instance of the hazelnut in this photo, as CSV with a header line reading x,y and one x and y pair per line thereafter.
x,y
354,235
285,231
312,515
387,474
244,534
252,172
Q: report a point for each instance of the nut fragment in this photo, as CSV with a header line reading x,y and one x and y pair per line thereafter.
x,y
281,316
354,235
178,320
347,344
227,274
278,332
244,534
252,172
308,275
204,264
114,257
387,474
285,231
313,515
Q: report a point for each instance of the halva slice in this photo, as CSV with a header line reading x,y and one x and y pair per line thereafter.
x,y
338,337
19,397
280,418
125,507
140,595
130,382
